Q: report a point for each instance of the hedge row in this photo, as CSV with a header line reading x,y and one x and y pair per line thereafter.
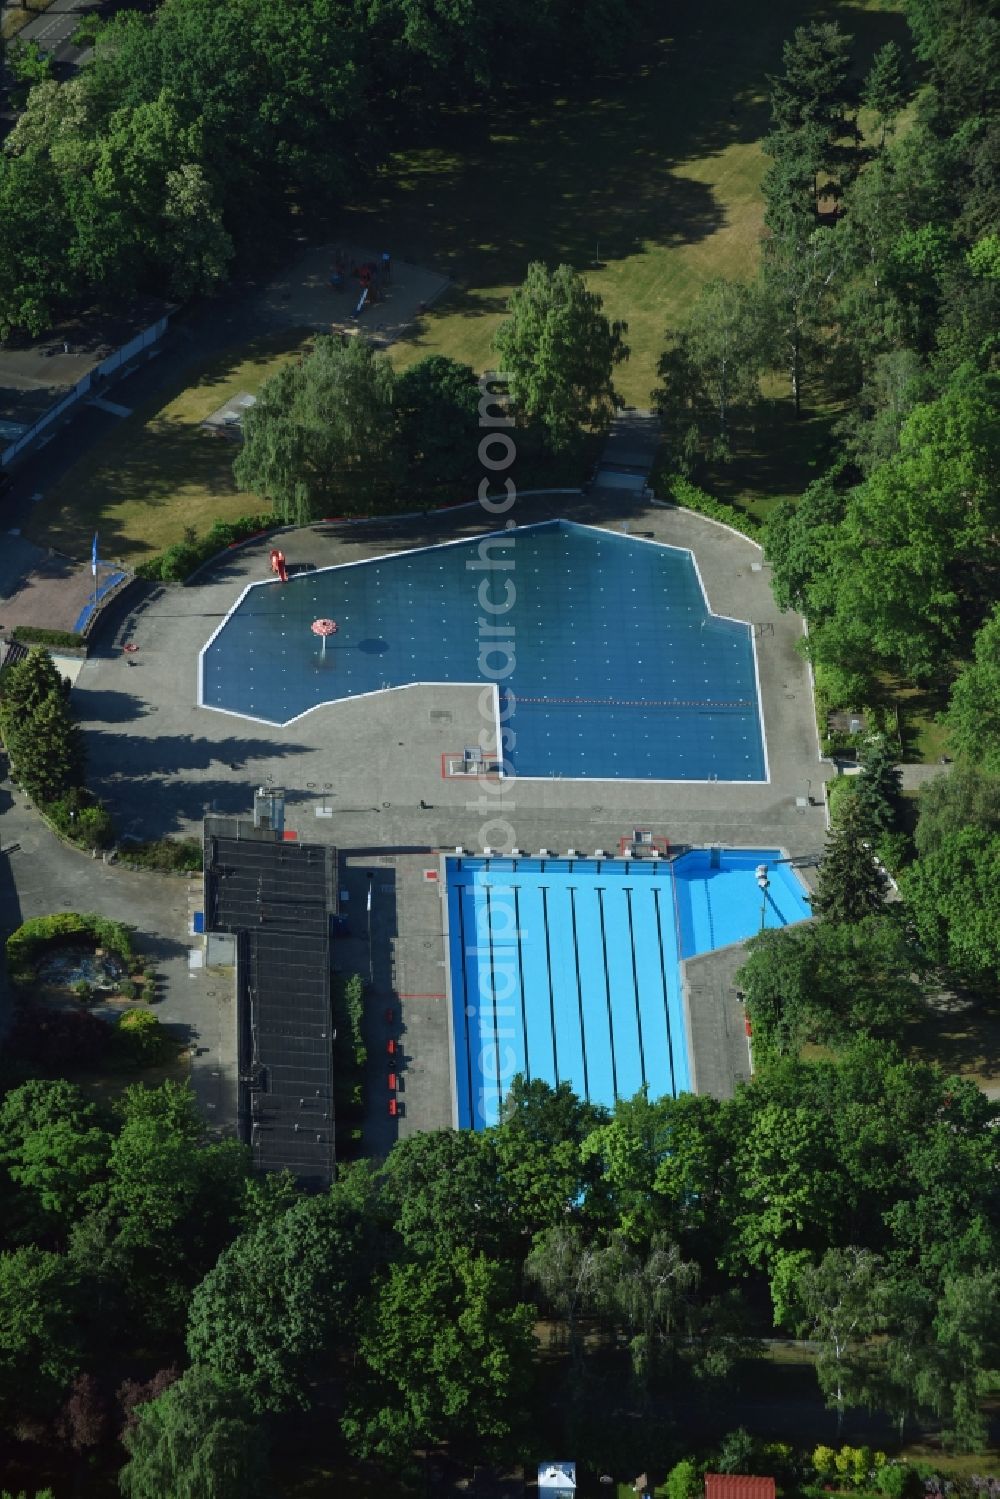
x,y
33,635
350,1054
167,855
682,492
39,932
184,558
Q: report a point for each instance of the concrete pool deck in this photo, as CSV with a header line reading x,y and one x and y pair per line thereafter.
x,y
162,763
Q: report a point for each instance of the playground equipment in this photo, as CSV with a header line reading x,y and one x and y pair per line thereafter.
x,y
367,274
324,628
278,564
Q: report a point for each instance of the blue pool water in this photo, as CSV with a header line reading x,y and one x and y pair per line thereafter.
x,y
606,658
569,970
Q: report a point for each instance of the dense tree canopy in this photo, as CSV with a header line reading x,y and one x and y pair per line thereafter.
x,y
974,711
203,132
829,981
319,440
197,1441
953,898
967,798
897,570
659,1223
279,1302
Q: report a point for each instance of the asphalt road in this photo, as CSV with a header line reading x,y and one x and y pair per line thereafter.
x,y
54,28
40,874
53,32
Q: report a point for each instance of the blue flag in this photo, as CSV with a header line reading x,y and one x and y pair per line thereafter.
x,y
93,556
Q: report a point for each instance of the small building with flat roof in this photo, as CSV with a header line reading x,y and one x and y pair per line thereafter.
x,y
42,379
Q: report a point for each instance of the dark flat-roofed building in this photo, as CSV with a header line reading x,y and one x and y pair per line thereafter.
x,y
276,898
41,379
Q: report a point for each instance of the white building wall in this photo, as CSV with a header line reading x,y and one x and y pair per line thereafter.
x,y
115,361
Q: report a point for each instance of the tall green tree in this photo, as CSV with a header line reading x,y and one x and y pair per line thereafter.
x,y
40,1344
879,786
814,85
447,1355
967,1328
648,1295
710,371
538,1151
973,716
883,91
279,1303
43,741
198,1440
28,66
798,268
838,1308
321,437
46,750
36,229
560,352
811,102
800,541
952,897
29,683
437,409
628,1150
445,1189
849,885
175,1199
829,982
960,46
56,1154
919,537
786,1200
967,797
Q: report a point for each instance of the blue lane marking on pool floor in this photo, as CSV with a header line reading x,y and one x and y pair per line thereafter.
x,y
615,665
569,970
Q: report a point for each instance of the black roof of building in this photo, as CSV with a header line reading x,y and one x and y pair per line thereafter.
x,y
277,898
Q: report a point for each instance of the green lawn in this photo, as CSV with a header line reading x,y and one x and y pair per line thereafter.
x,y
648,182
658,176
160,471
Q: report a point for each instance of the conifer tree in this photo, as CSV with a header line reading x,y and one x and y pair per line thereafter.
x,y
850,884
883,91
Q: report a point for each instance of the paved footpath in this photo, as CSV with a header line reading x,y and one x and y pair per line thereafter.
x,y
39,875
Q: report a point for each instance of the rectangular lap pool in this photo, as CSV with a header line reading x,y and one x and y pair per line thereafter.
x,y
568,970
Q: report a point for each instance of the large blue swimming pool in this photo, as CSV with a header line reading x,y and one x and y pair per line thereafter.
x,y
605,657
569,970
